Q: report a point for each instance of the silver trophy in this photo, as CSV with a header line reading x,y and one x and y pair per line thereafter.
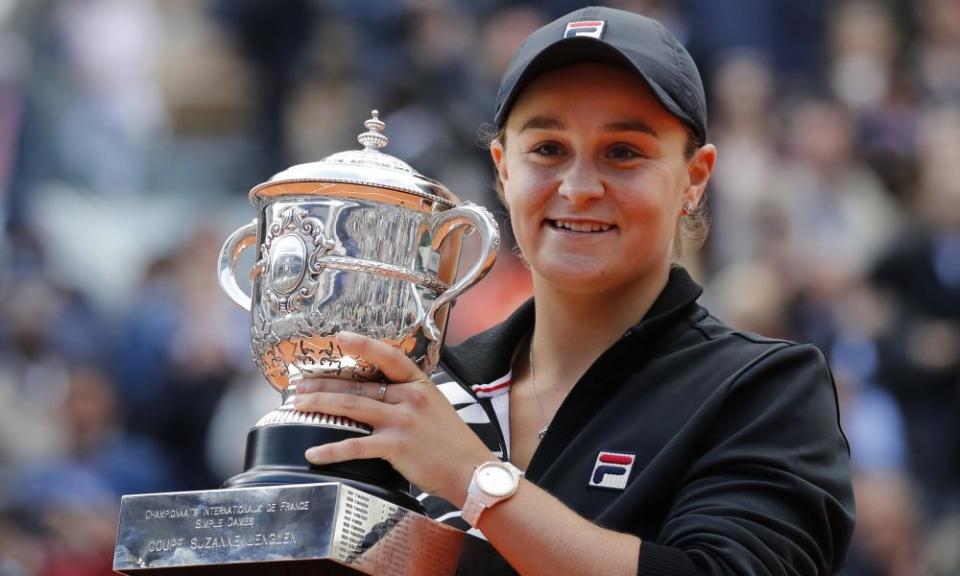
x,y
358,241
361,242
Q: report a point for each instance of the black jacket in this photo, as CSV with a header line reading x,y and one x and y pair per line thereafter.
x,y
740,465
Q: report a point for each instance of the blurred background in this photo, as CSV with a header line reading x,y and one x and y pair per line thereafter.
x,y
131,131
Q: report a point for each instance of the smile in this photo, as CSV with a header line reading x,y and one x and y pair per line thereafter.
x,y
582,227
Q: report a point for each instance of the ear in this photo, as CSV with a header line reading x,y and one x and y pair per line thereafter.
x,y
499,155
699,169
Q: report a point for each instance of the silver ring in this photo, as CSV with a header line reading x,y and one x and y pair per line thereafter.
x,y
382,393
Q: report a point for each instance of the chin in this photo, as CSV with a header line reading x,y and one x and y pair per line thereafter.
x,y
592,275
582,280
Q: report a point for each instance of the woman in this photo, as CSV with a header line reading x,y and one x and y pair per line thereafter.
x,y
655,439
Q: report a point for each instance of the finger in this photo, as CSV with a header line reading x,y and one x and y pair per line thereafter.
x,y
344,450
374,390
351,406
394,364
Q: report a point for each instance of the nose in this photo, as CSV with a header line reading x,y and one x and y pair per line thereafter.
x,y
581,183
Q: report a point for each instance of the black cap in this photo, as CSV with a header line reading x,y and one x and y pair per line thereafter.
x,y
600,34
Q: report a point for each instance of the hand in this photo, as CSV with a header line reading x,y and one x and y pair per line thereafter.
x,y
414,428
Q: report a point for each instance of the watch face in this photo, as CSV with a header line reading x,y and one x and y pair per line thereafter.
x,y
495,480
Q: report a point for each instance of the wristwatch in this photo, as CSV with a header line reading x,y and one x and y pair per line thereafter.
x,y
492,483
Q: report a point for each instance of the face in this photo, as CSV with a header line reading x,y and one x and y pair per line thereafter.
x,y
595,177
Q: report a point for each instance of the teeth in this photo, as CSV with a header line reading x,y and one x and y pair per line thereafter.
x,y
582,226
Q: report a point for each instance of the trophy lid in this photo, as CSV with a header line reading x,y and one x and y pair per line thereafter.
x,y
367,167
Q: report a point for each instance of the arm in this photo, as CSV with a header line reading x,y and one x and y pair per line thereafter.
x,y
419,433
538,534
769,491
765,488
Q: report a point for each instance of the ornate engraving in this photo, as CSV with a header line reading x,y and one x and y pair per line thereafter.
x,y
293,222
326,264
329,361
264,343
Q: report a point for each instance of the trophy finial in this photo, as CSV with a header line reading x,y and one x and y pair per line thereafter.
x,y
373,138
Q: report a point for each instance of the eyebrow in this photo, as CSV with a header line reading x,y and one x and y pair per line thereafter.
x,y
549,123
633,125
542,123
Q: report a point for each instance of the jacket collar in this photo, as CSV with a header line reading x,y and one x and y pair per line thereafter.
x,y
489,355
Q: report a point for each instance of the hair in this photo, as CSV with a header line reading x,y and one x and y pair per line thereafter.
x,y
694,226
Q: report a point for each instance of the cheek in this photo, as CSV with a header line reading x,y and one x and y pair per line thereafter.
x,y
525,191
524,211
648,218
653,204
513,202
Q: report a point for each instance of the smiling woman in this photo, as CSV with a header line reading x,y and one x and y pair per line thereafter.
x,y
611,425
593,152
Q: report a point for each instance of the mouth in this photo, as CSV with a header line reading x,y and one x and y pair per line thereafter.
x,y
580,226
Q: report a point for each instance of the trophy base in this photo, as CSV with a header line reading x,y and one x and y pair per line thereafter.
x,y
287,568
328,528
275,457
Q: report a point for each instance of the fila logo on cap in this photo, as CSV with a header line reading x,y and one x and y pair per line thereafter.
x,y
591,28
612,470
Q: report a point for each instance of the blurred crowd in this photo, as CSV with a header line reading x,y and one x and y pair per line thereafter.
x,y
131,130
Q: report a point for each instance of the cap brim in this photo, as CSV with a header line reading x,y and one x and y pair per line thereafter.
x,y
577,50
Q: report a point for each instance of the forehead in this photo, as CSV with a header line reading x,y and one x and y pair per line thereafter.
x,y
590,92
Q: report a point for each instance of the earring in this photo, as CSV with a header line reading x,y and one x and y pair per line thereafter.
x,y
688,209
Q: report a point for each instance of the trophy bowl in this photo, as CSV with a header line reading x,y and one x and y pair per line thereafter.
x,y
361,242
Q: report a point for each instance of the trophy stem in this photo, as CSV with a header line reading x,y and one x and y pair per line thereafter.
x,y
275,456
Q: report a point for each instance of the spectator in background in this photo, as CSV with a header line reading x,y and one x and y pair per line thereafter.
x,y
745,128
32,373
782,30
839,215
863,48
937,53
866,73
22,548
82,487
115,108
100,460
178,352
45,327
274,35
887,540
921,353
13,70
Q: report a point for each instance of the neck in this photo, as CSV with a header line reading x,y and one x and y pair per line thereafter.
x,y
566,344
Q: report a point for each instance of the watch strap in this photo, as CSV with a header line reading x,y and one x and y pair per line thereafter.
x,y
472,509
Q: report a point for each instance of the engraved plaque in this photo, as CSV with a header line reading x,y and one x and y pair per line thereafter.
x,y
327,528
223,526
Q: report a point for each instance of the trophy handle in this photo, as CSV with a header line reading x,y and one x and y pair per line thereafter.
x,y
240,240
479,219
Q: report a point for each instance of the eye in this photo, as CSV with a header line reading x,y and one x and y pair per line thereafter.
x,y
624,152
547,149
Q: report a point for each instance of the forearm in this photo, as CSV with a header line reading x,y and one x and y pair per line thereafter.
x,y
532,530
537,534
